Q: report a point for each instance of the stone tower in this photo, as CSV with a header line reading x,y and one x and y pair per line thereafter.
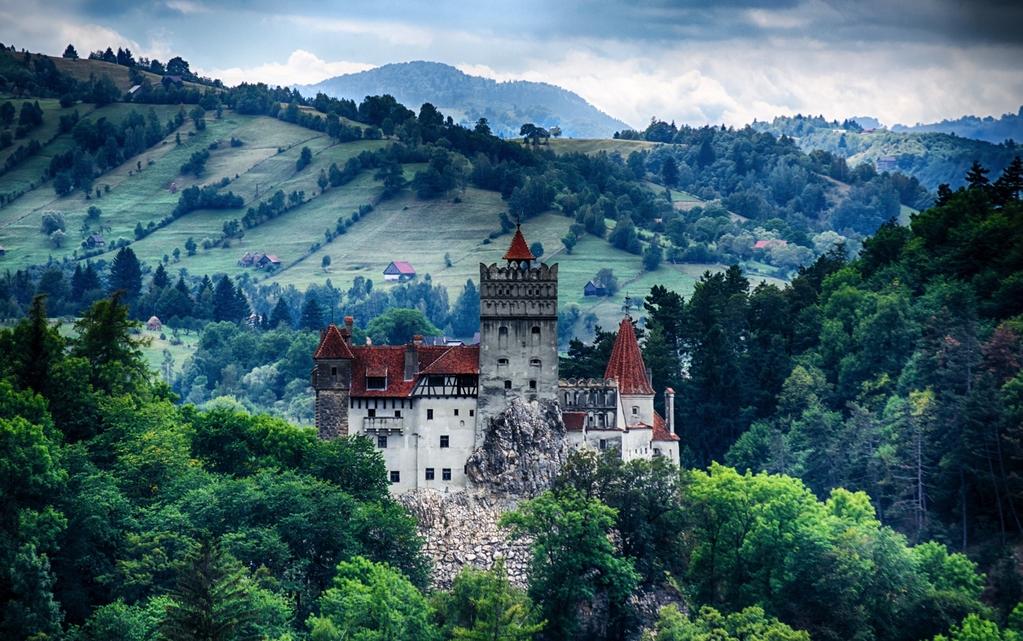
x,y
518,330
332,380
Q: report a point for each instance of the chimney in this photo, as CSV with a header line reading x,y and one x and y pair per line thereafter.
x,y
650,377
412,358
669,395
347,331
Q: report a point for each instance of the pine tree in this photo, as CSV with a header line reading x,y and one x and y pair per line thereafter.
x,y
281,314
229,303
312,315
106,339
211,602
160,278
36,347
976,177
1010,183
126,273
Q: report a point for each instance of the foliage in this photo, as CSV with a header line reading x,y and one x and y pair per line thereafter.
x,y
750,624
481,605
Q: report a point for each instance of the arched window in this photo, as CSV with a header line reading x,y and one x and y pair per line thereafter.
x,y
534,362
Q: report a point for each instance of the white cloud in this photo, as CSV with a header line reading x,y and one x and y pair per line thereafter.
x,y
301,68
395,33
187,6
51,33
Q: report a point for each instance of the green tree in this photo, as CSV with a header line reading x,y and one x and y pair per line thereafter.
x,y
574,561
653,255
750,624
281,314
397,326
126,274
371,602
105,338
312,314
669,171
483,606
304,159
210,602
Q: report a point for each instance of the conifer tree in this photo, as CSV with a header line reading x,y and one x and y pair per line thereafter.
x,y
281,314
160,278
312,315
210,600
126,273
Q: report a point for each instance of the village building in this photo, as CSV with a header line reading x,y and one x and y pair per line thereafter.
x,y
425,405
592,288
94,241
400,271
268,262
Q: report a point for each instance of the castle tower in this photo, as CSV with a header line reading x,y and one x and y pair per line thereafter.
x,y
635,393
518,330
332,380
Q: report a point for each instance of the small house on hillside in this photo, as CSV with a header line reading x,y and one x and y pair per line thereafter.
x,y
400,271
154,324
92,241
268,262
250,259
594,289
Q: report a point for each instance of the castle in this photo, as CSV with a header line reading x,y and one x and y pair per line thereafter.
x,y
426,406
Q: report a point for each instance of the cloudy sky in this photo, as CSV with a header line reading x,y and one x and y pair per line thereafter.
x,y
704,61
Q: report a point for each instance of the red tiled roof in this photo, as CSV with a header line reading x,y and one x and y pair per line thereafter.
x,y
574,421
518,250
626,363
389,360
333,344
458,359
661,432
400,267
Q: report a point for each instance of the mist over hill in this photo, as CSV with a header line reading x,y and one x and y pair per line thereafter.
x,y
987,128
506,105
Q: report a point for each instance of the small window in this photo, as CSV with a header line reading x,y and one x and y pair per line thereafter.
x,y
429,414
376,382
635,410
381,440
532,384
536,330
445,474
429,474
371,412
395,476
603,444
333,371
456,411
502,361
397,413
534,362
507,385
472,412
435,381
445,440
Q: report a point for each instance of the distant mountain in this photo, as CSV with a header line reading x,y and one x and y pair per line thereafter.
x,y
988,128
931,157
506,105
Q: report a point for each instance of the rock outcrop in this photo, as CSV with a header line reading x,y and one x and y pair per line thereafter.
x,y
461,529
523,449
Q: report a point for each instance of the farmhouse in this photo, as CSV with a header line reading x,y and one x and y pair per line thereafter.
x,y
92,241
268,262
400,271
594,289
426,406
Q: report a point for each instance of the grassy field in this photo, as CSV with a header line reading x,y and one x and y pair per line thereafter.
x,y
597,145
446,238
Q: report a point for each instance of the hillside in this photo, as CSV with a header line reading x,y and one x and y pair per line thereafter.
x,y
506,105
987,128
930,157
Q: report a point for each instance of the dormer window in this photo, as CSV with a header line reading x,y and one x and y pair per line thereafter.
x,y
376,382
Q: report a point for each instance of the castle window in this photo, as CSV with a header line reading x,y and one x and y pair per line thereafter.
x,y
445,474
472,412
429,474
603,444
376,382
395,476
397,413
507,385
534,362
429,414
445,440
532,384
502,361
371,413
502,336
536,330
381,440
635,410
456,411
333,371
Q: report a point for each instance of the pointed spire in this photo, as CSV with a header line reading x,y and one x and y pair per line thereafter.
x,y
626,363
333,345
519,250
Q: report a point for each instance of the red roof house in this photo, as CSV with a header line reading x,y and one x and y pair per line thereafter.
x,y
399,270
519,250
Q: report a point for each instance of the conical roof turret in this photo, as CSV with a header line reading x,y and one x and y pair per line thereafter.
x,y
519,250
626,363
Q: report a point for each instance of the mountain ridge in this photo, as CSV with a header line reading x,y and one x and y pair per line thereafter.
x,y
466,97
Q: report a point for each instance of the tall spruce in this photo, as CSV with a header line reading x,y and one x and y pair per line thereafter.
x,y
126,273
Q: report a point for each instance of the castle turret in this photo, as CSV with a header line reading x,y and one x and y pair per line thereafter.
x,y
332,380
626,366
518,330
